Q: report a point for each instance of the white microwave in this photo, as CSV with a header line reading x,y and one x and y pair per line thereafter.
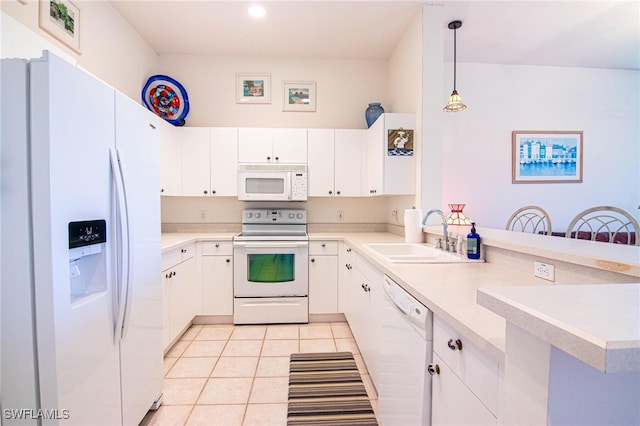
x,y
272,182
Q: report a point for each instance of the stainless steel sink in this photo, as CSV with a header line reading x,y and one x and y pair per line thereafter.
x,y
417,253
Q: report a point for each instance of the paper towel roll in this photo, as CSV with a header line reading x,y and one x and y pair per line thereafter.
x,y
413,226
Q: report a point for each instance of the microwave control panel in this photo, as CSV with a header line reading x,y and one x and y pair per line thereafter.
x,y
299,185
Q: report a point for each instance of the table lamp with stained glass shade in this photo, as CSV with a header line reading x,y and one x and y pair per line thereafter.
x,y
457,217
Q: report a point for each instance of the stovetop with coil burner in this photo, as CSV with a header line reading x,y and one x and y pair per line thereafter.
x,y
265,224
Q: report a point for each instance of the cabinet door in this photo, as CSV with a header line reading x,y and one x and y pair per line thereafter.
x,y
165,279
348,162
182,297
195,161
374,154
453,403
217,285
255,145
320,144
290,145
344,277
323,284
170,159
224,161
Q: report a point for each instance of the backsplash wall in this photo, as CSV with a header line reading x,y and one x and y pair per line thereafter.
x,y
228,210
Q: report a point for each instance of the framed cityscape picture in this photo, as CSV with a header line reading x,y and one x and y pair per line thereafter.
x,y
253,88
546,156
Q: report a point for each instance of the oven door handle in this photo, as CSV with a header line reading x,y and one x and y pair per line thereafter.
x,y
271,244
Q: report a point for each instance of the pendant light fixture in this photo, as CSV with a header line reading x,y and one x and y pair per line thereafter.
x,y
455,103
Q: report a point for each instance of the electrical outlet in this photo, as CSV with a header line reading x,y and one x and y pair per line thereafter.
x,y
546,271
203,215
340,215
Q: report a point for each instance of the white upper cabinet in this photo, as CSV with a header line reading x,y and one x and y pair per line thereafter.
x,y
348,162
335,162
261,145
209,161
390,171
170,158
195,161
224,161
321,162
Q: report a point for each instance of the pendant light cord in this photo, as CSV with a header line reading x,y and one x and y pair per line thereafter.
x,y
454,58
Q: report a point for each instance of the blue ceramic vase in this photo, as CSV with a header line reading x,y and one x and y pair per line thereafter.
x,y
373,112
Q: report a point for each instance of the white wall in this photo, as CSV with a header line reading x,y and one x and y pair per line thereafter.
x,y
111,49
500,98
344,89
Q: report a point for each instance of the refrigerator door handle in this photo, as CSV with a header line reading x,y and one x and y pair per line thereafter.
x,y
121,251
129,244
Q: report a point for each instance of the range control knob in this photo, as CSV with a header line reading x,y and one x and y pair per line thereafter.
x,y
299,215
291,215
258,215
249,215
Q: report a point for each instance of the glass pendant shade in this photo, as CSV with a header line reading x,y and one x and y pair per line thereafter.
x,y
455,103
457,217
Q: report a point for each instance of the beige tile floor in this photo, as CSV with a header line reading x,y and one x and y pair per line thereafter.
x,y
238,375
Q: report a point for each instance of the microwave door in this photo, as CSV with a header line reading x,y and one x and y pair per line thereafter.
x,y
263,187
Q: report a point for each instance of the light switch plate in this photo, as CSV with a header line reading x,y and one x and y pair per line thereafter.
x,y
546,271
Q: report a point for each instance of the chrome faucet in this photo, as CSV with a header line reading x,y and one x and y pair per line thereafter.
x,y
445,227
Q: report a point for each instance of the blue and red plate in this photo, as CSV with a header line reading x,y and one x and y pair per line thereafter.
x,y
167,98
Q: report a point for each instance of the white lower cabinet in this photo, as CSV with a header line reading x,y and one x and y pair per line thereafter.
x,y
179,292
364,300
453,403
345,267
465,383
217,278
323,277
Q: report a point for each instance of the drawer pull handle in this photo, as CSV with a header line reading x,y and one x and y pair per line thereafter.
x,y
455,344
217,245
348,250
228,260
433,369
183,251
324,245
366,287
313,260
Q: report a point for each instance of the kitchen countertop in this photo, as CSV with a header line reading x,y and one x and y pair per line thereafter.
x,y
598,324
449,290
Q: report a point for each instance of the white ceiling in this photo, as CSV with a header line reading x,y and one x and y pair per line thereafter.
x,y
597,34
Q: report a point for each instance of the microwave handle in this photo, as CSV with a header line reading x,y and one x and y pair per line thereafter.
x,y
288,184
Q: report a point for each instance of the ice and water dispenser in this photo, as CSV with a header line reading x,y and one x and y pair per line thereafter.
x,y
87,258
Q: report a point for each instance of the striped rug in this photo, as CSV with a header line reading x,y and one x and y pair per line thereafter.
x,y
325,389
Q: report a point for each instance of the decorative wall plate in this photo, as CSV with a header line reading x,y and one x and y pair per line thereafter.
x,y
167,98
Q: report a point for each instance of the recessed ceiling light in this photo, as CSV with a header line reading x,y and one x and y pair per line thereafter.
x,y
257,11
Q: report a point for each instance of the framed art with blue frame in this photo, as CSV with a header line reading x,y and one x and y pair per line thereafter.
x,y
167,98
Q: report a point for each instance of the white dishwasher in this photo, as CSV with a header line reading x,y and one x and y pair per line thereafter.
x,y
404,388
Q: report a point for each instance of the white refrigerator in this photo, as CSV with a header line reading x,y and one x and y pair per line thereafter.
x,y
81,299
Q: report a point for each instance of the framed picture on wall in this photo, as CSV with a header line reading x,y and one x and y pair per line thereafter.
x,y
61,19
299,96
253,88
546,156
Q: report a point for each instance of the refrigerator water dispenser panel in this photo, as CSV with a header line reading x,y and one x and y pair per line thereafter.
x,y
87,273
87,232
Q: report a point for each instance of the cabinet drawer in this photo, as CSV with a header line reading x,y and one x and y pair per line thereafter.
x,y
475,368
215,248
178,255
323,247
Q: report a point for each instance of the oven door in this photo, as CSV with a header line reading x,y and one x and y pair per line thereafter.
x,y
270,268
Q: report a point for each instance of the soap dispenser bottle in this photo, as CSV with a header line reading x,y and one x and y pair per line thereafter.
x,y
473,243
